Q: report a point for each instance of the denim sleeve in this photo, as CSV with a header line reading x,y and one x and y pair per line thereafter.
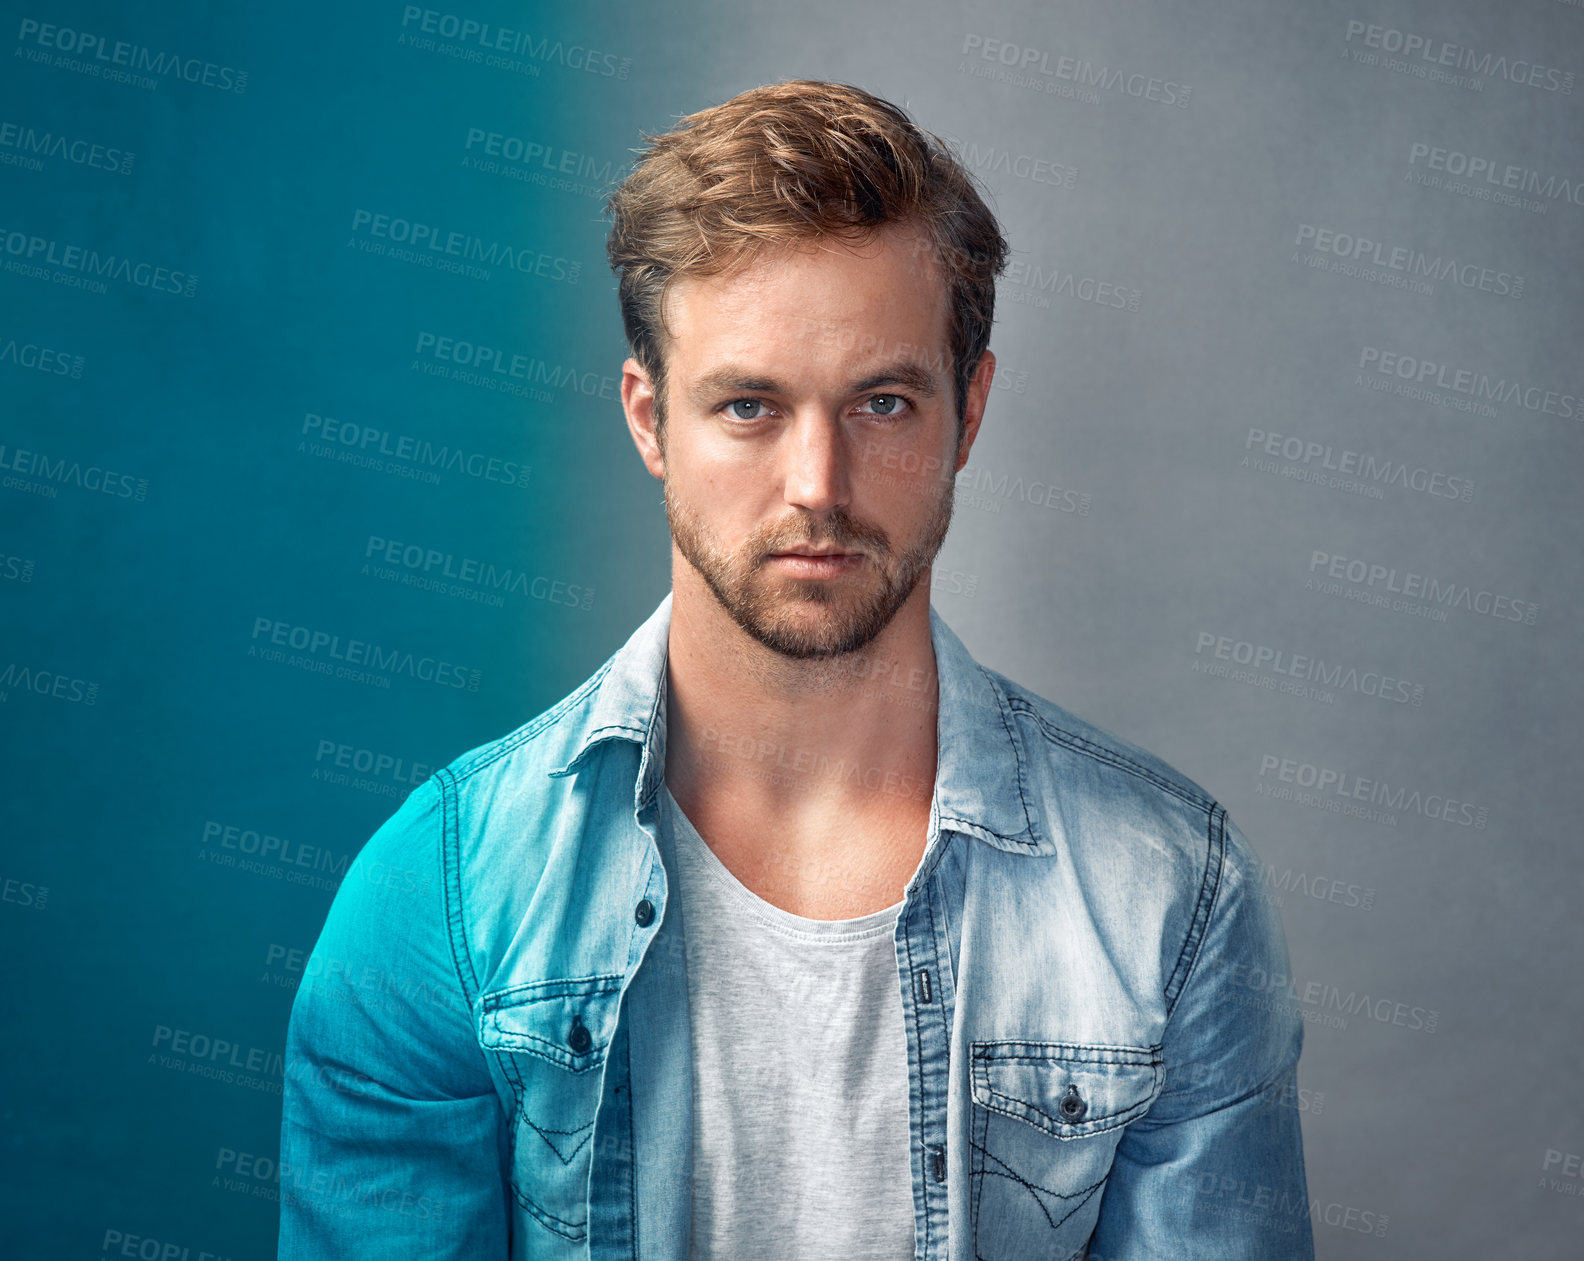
x,y
393,1141
1215,1169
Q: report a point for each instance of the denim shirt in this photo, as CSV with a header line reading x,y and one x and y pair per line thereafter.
x,y
489,1054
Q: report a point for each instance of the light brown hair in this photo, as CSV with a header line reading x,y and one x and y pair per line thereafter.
x,y
790,162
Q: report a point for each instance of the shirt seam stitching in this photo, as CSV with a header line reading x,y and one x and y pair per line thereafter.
x,y
451,875
1209,895
918,1047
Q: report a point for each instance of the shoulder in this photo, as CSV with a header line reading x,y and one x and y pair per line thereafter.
x,y
1144,840
456,866
1086,770
469,804
546,742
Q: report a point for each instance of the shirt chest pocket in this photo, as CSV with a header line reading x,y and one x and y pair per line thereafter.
x,y
1047,1118
550,1038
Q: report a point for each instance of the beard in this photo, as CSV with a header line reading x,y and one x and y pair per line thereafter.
x,y
849,611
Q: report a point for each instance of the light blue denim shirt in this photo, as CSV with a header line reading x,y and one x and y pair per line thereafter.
x,y
489,1054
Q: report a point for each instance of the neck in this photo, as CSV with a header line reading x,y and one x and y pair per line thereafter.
x,y
854,733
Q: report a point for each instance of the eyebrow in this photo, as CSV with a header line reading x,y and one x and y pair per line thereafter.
x,y
730,380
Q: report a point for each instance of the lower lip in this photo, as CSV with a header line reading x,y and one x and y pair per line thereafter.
x,y
819,566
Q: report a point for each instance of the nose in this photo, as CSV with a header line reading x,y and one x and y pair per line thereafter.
x,y
816,463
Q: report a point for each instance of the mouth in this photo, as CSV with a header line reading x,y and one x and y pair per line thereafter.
x,y
808,563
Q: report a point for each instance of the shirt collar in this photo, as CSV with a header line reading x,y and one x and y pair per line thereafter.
x,y
981,774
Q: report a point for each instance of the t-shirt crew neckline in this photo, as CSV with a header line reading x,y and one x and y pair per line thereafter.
x,y
829,931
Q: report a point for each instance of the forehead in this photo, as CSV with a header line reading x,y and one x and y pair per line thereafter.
x,y
827,304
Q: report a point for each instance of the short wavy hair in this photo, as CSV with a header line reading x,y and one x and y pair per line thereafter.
x,y
791,162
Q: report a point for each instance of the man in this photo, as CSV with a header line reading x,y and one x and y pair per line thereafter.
x,y
794,932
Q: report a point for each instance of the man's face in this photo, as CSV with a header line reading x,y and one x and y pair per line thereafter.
x,y
810,407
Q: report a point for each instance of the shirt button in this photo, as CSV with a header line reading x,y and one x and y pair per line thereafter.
x,y
1072,1107
644,913
578,1039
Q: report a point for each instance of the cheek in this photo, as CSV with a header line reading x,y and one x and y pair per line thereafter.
x,y
722,498
887,471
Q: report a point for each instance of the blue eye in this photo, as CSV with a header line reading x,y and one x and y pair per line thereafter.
x,y
886,405
743,408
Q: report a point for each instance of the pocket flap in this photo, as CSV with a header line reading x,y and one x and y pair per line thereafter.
x,y
1064,1088
569,1022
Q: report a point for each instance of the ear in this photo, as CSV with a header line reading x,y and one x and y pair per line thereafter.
x,y
973,413
638,402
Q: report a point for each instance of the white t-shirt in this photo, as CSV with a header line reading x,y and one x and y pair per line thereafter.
x,y
800,1077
